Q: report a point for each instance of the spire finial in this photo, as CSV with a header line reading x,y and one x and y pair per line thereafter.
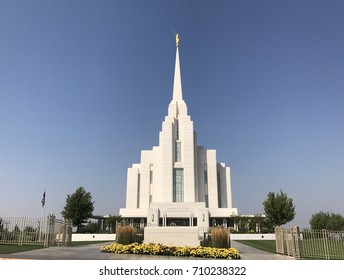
x,y
177,39
176,34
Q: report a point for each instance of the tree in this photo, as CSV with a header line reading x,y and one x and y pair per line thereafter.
x,y
79,207
111,222
1,228
330,221
336,222
91,227
319,220
279,208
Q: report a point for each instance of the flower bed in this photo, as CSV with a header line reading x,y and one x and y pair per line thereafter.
x,y
159,249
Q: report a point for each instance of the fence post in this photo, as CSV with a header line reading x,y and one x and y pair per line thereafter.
x,y
46,230
327,253
295,231
279,240
21,233
51,229
67,233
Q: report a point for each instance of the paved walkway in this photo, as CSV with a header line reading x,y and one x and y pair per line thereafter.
x,y
92,252
250,253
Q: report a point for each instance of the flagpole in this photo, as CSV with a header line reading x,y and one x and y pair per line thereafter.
x,y
41,222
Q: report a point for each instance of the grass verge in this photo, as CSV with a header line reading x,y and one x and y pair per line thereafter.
x,y
83,243
10,248
264,245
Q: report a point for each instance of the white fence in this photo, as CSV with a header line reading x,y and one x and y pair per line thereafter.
x,y
287,242
47,231
310,244
322,244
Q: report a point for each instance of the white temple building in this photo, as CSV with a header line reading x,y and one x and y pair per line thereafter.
x,y
178,183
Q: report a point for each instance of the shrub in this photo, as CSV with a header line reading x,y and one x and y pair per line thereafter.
x,y
126,235
219,238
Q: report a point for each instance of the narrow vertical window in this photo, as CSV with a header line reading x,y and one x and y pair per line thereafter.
x,y
151,177
206,197
206,201
138,190
219,189
205,174
177,129
178,185
178,151
150,183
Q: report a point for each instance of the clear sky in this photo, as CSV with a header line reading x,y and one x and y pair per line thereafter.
x,y
85,86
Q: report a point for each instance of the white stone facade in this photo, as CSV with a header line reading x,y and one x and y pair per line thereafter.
x,y
178,182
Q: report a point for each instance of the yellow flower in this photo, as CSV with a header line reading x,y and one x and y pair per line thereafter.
x,y
160,249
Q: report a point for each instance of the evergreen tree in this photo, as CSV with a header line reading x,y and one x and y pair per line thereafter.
x,y
79,207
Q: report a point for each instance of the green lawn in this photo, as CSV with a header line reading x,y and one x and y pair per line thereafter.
x,y
82,243
11,248
265,245
310,248
322,249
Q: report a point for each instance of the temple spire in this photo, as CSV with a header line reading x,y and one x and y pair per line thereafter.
x,y
177,84
177,106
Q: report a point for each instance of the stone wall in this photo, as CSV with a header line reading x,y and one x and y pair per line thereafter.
x,y
93,237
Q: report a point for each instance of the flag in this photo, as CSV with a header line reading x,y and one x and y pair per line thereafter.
x,y
43,199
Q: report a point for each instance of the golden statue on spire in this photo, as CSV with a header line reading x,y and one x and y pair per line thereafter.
x,y
176,34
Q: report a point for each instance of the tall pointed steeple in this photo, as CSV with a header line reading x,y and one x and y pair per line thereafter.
x,y
177,105
177,84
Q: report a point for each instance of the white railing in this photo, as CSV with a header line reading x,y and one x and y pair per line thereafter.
x,y
322,244
34,231
310,244
22,230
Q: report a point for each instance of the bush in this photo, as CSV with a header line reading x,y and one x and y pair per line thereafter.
x,y
219,238
126,235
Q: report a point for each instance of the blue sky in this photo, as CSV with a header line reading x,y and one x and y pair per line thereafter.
x,y
85,86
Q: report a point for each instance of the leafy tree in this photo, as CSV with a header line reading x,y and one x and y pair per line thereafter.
x,y
29,229
1,228
279,208
256,222
91,227
111,222
266,226
330,221
336,222
16,229
319,220
79,207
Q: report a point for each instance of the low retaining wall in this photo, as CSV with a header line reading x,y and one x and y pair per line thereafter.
x,y
112,237
93,237
253,236
172,236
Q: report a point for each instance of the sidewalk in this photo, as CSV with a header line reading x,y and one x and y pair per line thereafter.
x,y
250,253
92,252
